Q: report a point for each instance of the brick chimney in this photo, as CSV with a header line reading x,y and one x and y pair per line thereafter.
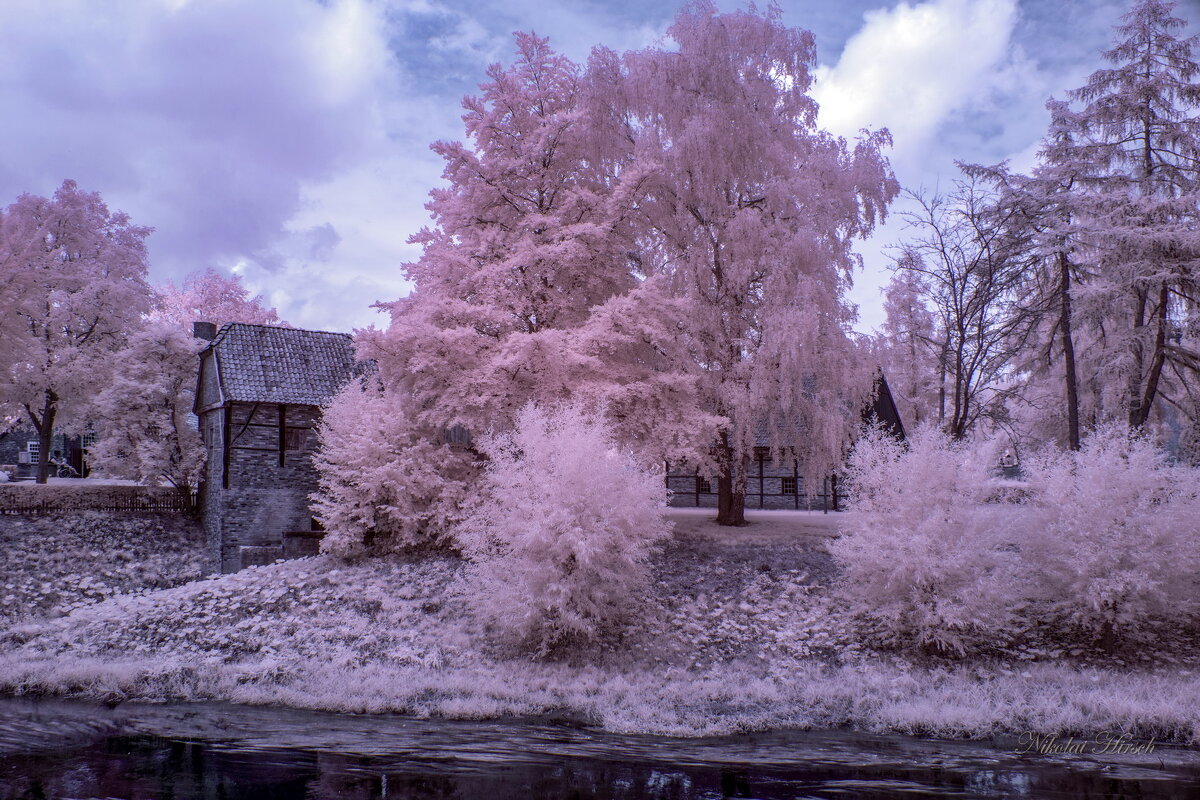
x,y
204,330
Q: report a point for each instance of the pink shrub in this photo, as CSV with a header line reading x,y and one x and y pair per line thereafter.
x,y
562,531
1115,538
926,561
385,485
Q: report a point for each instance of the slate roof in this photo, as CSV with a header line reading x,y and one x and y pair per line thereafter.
x,y
266,364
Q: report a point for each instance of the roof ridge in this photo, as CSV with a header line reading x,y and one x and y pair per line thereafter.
x,y
227,325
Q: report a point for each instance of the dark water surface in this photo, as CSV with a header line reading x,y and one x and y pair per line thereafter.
x,y
58,749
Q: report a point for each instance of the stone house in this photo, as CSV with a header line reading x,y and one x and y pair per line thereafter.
x,y
258,401
779,484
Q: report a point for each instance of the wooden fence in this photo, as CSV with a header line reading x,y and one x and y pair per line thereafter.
x,y
38,500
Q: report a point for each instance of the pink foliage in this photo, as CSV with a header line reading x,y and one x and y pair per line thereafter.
x,y
143,417
747,211
665,234
528,238
75,274
1115,536
562,530
1104,542
209,296
925,559
385,483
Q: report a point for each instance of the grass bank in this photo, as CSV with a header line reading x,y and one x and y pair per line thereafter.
x,y
741,634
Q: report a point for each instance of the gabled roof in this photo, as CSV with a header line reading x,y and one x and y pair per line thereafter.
x,y
268,364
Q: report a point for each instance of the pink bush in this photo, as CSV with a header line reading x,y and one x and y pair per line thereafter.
x,y
385,485
1114,542
926,561
562,531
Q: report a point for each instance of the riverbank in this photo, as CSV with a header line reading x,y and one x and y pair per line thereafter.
x,y
740,636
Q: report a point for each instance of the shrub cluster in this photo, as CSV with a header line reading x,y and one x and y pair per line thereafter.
x,y
562,530
385,484
1102,544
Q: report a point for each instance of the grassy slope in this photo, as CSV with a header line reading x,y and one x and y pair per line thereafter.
x,y
740,636
55,564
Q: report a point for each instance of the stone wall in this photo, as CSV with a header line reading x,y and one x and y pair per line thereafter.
x,y
264,496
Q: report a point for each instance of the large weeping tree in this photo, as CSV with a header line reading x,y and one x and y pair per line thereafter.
x,y
746,218
665,234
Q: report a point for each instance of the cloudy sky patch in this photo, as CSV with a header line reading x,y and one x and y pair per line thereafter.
x,y
287,140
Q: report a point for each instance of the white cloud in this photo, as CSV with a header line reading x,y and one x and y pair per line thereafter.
x,y
911,67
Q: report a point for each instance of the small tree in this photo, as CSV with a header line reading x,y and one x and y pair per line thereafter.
x,y
144,416
563,529
80,274
385,484
925,561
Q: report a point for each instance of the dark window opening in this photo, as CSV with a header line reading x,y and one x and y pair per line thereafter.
x,y
294,438
703,486
789,486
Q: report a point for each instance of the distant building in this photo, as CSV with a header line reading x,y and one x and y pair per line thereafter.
x,y
779,484
258,399
20,448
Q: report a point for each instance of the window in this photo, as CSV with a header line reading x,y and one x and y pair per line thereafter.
x,y
457,435
703,486
789,486
34,448
762,453
293,438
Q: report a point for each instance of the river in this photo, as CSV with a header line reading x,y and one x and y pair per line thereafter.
x,y
64,749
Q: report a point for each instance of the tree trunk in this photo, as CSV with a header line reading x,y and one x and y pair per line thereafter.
x,y
1134,389
45,431
731,505
731,498
1068,346
1158,358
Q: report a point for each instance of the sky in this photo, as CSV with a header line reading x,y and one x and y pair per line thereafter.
x,y
288,140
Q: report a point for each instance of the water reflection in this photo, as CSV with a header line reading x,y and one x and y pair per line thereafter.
x,y
58,749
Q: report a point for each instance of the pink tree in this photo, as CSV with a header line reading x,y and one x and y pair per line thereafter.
x,y
209,296
745,216
79,274
555,561
529,236
912,350
386,485
1139,128
143,417
667,235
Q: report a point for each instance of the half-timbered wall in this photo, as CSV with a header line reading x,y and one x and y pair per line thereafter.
x,y
769,485
260,476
